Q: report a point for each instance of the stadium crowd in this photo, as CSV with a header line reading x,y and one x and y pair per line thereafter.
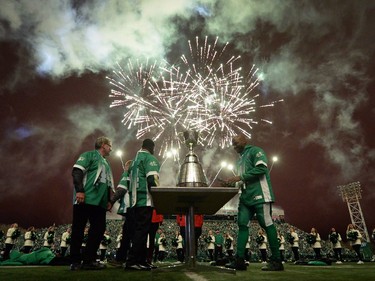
x,y
57,239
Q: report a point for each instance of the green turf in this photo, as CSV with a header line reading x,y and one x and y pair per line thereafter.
x,y
344,272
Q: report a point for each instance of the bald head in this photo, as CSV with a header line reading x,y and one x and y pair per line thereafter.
x,y
239,142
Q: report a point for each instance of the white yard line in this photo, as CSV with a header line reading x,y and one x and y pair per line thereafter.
x,y
195,277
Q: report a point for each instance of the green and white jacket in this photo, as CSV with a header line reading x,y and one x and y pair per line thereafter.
x,y
145,164
97,179
253,171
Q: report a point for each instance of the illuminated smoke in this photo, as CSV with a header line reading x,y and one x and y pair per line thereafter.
x,y
305,50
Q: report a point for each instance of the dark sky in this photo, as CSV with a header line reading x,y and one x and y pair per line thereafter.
x,y
318,56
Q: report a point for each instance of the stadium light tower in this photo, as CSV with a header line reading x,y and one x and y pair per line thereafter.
x,y
171,153
119,154
167,155
351,193
274,159
223,164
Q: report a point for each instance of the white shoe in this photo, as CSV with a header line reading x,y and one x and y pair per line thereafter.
x,y
360,262
339,262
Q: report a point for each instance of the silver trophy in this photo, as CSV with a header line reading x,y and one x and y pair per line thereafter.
x,y
191,173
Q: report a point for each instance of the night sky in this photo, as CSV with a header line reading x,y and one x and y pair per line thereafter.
x,y
318,56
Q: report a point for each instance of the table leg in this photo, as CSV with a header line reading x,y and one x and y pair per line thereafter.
x,y
190,241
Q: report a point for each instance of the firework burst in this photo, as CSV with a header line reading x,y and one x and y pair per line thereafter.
x,y
222,100
208,92
151,101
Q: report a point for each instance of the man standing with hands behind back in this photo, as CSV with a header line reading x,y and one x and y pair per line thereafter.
x,y
92,179
144,175
256,198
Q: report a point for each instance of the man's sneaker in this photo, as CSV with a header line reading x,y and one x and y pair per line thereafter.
x,y
360,262
137,266
339,262
151,265
116,263
273,266
147,265
237,264
93,266
75,266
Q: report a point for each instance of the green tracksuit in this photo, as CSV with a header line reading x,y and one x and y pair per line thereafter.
x,y
256,198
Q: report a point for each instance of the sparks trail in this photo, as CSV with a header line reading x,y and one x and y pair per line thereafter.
x,y
152,104
205,92
221,98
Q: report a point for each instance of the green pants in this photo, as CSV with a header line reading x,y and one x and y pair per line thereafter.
x,y
263,214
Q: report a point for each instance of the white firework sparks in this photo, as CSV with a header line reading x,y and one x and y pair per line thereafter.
x,y
221,100
151,102
206,92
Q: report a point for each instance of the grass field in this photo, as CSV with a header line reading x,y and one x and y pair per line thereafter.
x,y
344,272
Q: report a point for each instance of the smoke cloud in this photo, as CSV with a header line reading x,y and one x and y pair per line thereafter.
x,y
68,37
322,53
314,54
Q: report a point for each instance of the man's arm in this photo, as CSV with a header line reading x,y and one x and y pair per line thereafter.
x,y
152,180
78,180
120,192
78,185
254,173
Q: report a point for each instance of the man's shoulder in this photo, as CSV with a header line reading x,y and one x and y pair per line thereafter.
x,y
151,159
250,147
254,150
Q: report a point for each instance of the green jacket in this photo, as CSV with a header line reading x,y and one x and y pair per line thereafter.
x,y
219,240
40,256
97,178
145,164
253,171
124,201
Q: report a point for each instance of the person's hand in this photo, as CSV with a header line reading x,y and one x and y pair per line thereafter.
x,y
233,180
80,197
224,183
109,206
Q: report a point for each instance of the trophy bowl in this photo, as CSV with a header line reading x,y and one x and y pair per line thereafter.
x,y
191,173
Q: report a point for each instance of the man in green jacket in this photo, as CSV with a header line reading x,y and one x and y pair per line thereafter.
x,y
92,180
256,199
144,176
